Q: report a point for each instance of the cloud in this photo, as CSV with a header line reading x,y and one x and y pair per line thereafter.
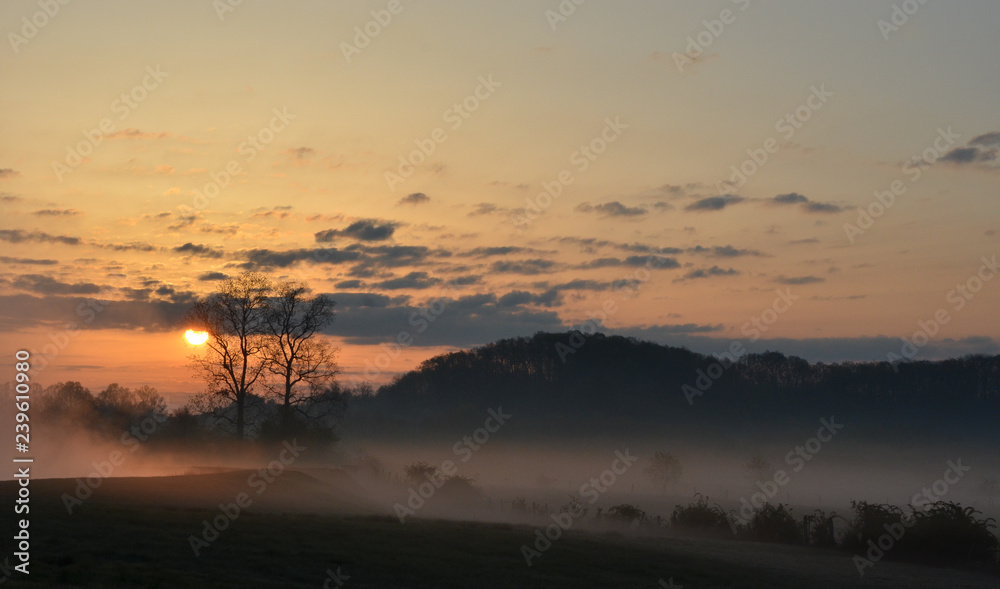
x,y
28,261
983,149
416,198
723,251
198,250
350,284
798,280
266,258
56,212
301,152
580,284
413,280
47,285
654,332
484,208
8,173
137,134
9,198
363,230
611,209
503,250
715,203
464,321
794,198
591,244
466,280
22,236
708,273
654,261
790,198
529,267
658,262
514,298
397,255
212,276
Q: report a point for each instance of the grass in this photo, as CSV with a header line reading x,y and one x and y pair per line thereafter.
x,y
126,543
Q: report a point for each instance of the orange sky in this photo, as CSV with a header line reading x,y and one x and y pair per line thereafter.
x,y
511,167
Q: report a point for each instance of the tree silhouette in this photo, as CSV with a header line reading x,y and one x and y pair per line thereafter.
x,y
235,359
663,469
758,468
303,365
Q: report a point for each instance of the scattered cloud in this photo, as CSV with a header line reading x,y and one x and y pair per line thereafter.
x,y
301,153
794,198
981,150
529,267
362,230
56,212
22,236
715,203
611,209
799,280
198,250
708,273
47,285
413,280
417,198
28,261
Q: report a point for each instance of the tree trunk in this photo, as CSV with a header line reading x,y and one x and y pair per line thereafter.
x,y
239,416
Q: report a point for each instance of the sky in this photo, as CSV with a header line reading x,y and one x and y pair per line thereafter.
x,y
816,178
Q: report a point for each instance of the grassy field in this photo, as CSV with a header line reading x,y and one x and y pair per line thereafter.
x,y
134,533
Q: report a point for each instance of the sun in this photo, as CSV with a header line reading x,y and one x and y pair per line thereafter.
x,y
196,338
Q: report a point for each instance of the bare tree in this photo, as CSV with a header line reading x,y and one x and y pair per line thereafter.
x,y
236,321
758,468
664,469
303,364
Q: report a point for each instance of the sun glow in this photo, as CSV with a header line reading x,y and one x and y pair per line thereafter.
x,y
196,338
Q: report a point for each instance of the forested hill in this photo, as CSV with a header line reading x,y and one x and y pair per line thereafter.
x,y
562,382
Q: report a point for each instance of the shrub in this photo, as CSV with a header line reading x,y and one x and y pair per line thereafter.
x,y
774,523
700,515
942,533
626,513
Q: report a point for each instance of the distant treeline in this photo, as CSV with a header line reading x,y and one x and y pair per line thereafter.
x,y
140,415
574,383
